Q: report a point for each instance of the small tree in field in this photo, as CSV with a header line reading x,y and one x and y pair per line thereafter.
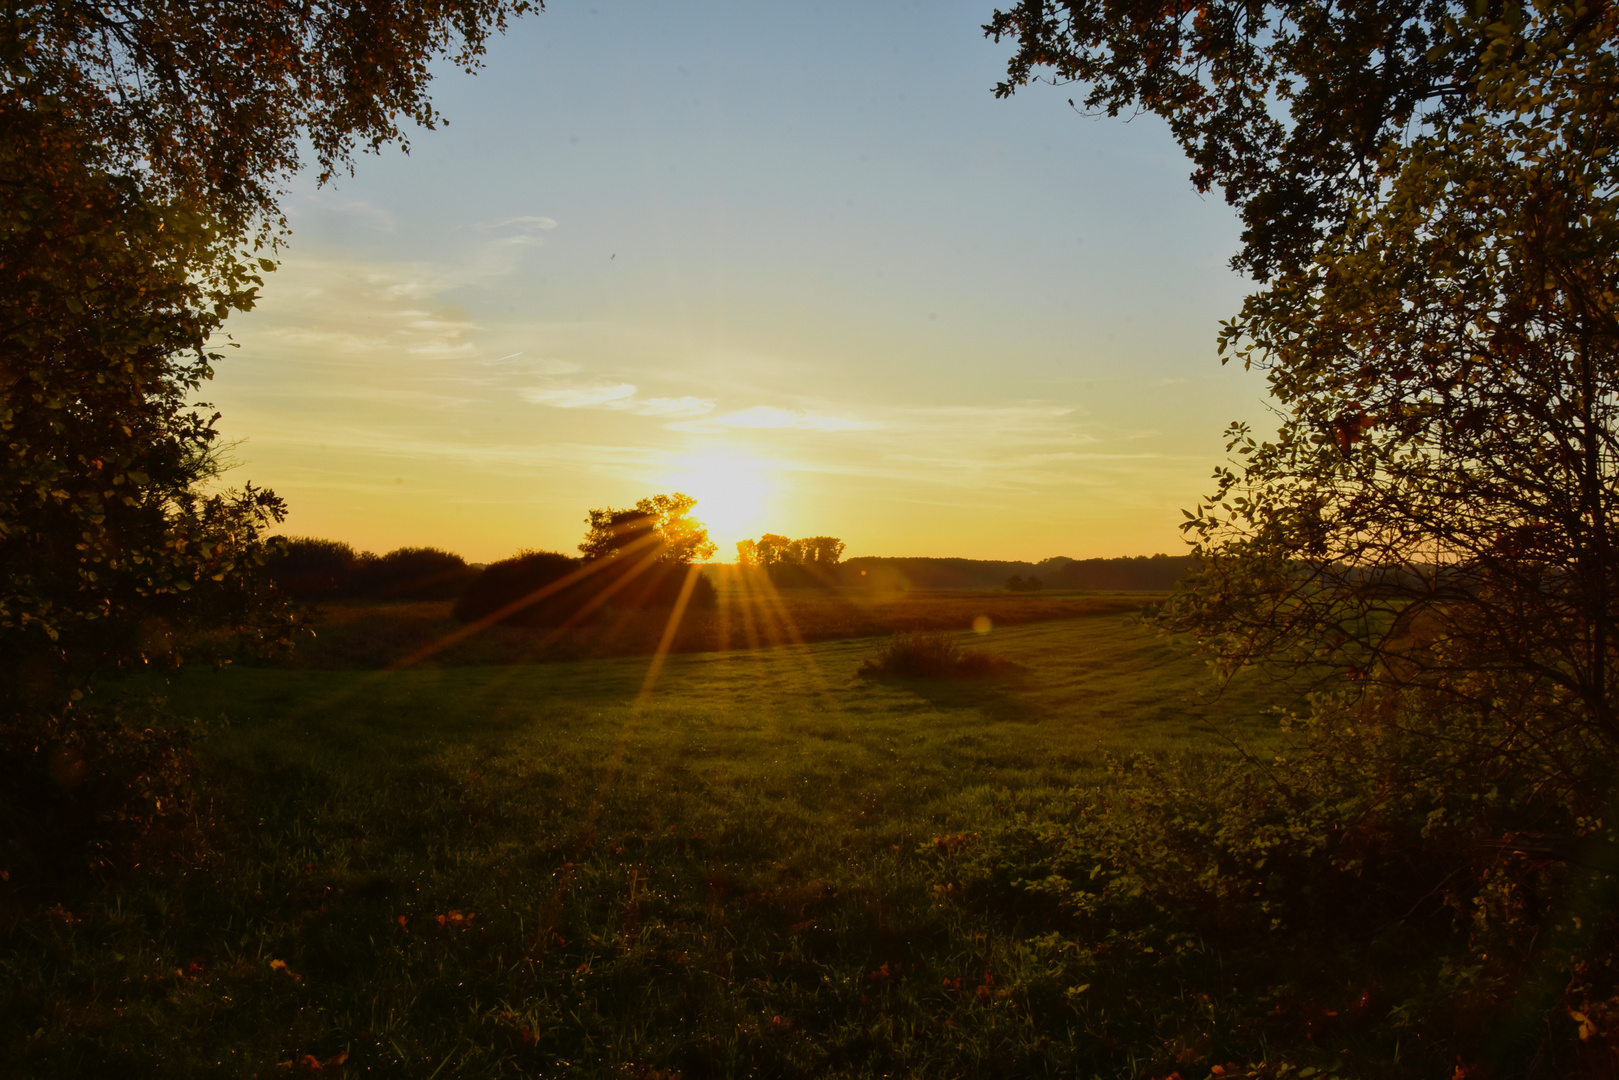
x,y
660,523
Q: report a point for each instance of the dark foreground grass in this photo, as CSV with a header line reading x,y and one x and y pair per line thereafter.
x,y
542,870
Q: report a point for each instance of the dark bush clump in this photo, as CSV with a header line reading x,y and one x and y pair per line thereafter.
x,y
94,792
310,569
509,581
411,573
934,656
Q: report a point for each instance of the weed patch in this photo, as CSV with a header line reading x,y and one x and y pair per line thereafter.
x,y
935,656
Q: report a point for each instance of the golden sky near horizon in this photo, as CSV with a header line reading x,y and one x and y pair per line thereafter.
x,y
826,285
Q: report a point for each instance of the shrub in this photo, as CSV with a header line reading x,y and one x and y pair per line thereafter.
x,y
310,569
411,573
99,790
511,580
934,656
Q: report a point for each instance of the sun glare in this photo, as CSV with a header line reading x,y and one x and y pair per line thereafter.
x,y
733,494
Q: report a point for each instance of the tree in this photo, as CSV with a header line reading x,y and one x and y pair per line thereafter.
x,y
660,522
142,149
1439,507
211,103
1286,105
810,561
119,547
1431,532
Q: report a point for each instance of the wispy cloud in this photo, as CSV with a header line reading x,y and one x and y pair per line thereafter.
x,y
619,396
519,231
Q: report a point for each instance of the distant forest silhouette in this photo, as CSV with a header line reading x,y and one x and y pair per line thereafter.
x,y
1140,573
312,569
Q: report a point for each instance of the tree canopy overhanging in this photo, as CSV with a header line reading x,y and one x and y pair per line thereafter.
x,y
143,148
1430,197
1286,106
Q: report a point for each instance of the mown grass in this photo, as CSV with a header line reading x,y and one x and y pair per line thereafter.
x,y
743,872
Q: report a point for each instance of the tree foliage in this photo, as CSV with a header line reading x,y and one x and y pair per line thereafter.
x,y
1286,105
1440,499
811,561
1432,198
660,526
114,537
211,103
143,145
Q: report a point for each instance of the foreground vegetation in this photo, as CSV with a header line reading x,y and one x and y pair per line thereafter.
x,y
763,866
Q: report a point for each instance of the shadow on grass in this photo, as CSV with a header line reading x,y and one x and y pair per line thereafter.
x,y
990,696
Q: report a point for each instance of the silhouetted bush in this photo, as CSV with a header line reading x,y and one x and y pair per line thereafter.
x,y
311,569
1018,583
934,656
411,573
102,791
511,580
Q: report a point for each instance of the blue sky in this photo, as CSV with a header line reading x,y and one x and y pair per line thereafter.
x,y
795,260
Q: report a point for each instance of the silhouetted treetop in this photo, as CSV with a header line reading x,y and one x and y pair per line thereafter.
x,y
660,524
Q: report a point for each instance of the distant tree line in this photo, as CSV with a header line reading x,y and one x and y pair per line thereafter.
x,y
1141,573
810,562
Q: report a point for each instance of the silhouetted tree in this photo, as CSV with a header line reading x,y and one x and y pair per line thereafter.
x,y
412,573
808,562
659,526
143,146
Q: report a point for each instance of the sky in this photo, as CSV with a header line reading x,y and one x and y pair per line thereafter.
x,y
794,260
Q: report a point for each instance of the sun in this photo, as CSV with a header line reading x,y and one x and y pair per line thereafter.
x,y
734,496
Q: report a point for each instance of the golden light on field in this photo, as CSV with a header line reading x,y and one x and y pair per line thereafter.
x,y
734,496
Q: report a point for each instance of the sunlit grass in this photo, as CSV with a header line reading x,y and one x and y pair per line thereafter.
x,y
727,872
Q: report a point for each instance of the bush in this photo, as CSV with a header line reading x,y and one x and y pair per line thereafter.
x,y
411,573
309,569
511,580
934,656
96,791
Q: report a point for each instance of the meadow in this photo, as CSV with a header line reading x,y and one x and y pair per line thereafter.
x,y
748,614
756,864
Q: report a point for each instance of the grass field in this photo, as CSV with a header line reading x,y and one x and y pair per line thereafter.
x,y
744,869
749,614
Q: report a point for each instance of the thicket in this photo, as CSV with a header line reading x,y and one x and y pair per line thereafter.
x,y
306,568
807,563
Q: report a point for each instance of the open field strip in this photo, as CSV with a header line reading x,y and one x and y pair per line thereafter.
x,y
545,869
